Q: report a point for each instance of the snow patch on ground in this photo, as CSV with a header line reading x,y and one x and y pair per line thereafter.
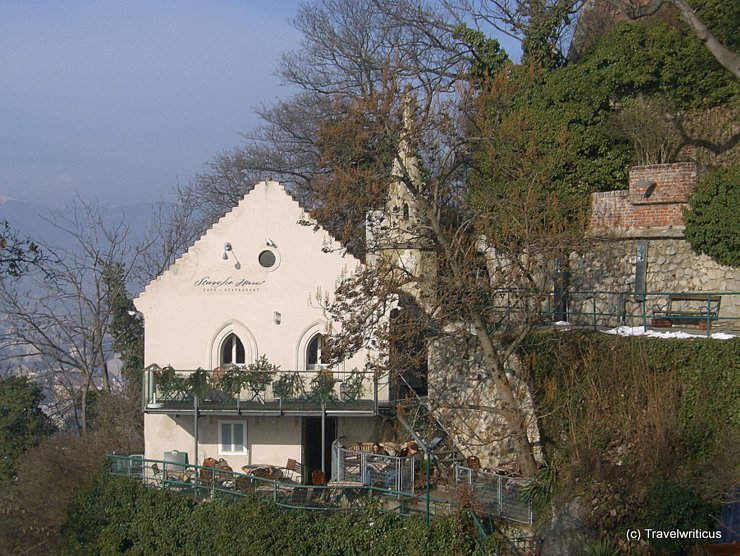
x,y
640,331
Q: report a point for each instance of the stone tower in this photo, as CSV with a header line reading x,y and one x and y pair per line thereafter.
x,y
399,235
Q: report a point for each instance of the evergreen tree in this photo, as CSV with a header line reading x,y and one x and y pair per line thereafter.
x,y
23,424
127,330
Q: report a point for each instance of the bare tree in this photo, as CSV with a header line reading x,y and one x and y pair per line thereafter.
x,y
341,144
17,254
57,321
347,50
479,268
173,228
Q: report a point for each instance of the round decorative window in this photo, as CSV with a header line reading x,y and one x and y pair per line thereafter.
x,y
267,259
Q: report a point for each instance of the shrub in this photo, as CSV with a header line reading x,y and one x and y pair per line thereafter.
x,y
113,515
628,423
673,506
713,220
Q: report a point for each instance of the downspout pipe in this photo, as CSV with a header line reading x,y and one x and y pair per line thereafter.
x,y
323,436
195,418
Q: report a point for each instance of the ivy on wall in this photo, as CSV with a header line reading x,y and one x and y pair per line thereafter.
x,y
713,219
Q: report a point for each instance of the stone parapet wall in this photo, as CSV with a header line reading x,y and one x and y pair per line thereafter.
x,y
651,211
613,212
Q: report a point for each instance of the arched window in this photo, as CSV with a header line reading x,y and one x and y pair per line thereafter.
x,y
232,351
405,211
316,356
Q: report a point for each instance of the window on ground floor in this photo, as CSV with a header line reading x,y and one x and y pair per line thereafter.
x,y
232,437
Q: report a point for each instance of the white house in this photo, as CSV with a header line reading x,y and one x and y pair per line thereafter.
x,y
247,289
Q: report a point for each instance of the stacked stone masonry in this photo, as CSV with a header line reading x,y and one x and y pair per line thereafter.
x,y
652,211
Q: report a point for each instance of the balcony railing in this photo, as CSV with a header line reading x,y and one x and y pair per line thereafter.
x,y
497,495
264,390
377,470
211,483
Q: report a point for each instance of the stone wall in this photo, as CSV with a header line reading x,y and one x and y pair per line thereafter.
x,y
650,212
466,400
671,266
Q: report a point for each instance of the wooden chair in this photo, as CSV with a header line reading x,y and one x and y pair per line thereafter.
x,y
217,374
318,478
510,468
294,471
224,476
207,475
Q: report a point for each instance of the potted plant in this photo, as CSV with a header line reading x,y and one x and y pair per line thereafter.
x,y
199,384
352,388
233,380
170,385
289,386
258,376
322,386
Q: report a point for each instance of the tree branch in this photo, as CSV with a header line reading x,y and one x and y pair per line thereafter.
x,y
726,57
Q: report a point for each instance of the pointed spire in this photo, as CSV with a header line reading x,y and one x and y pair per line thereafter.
x,y
406,163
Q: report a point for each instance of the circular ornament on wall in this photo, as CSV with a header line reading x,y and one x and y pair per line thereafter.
x,y
267,259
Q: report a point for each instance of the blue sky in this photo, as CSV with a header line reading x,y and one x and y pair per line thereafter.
x,y
120,100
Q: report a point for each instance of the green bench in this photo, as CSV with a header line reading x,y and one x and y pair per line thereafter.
x,y
687,308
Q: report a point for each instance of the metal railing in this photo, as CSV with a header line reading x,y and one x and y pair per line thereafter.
x,y
417,415
375,470
497,495
276,392
694,310
213,483
600,309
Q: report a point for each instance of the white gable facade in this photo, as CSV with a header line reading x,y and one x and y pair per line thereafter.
x,y
251,287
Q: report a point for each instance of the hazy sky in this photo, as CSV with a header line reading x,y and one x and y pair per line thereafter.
x,y
120,100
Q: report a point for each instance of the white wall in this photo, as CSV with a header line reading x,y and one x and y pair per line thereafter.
x,y
203,297
270,440
184,318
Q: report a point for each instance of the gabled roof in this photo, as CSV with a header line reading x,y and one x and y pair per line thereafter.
x,y
285,206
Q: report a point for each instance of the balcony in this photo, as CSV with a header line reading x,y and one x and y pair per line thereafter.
x,y
264,389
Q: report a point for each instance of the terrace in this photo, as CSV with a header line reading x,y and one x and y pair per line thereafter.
x,y
209,483
694,313
498,497
265,390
